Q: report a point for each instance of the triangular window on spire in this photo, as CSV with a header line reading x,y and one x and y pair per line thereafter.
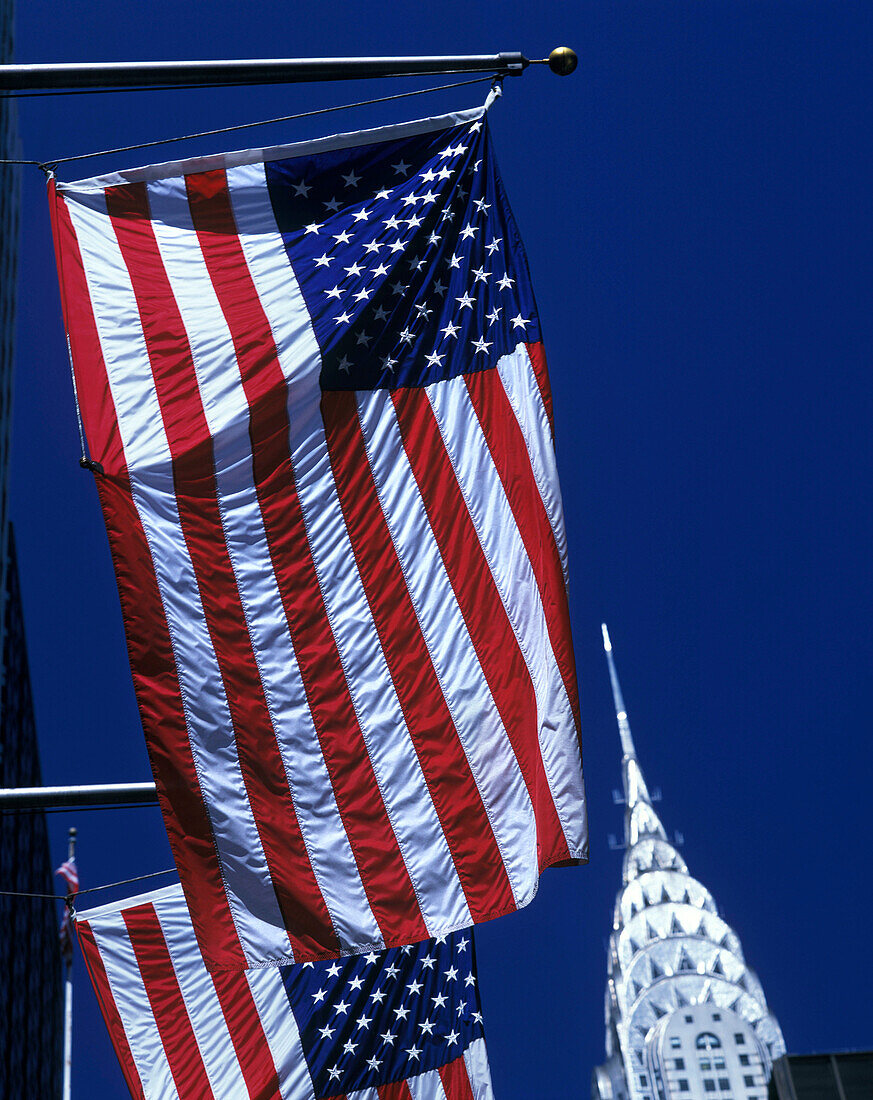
x,y
676,928
657,972
742,983
681,1000
665,897
684,962
659,1012
651,934
686,897
655,863
634,946
717,968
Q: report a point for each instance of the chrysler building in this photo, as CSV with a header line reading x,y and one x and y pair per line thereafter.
x,y
685,1016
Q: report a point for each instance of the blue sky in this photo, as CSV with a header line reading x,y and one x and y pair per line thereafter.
x,y
695,203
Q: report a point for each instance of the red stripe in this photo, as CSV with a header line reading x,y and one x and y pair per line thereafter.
x,y
111,1017
247,1035
397,1090
148,639
456,1080
380,863
165,997
493,638
537,355
303,909
509,453
444,764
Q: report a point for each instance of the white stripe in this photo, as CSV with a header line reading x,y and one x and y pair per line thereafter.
x,y
207,714
276,152
280,1029
520,383
478,1070
364,1094
395,763
132,1002
426,1086
201,1002
516,584
227,413
488,750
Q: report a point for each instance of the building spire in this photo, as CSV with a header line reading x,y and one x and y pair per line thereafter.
x,y
627,741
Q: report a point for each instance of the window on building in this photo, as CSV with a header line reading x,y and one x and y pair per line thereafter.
x,y
683,1084
739,1039
709,1084
716,1016
744,1060
705,1063
724,1084
679,1063
689,1019
675,1042
718,1061
644,1080
707,1041
748,1079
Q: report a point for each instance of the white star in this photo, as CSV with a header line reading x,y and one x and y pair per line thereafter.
x,y
308,965
439,288
326,1032
465,301
452,1037
397,246
462,1007
410,200
302,188
383,194
519,322
474,129
442,938
433,360
319,996
398,288
451,330
406,948
495,244
414,222
422,310
356,983
439,1000
505,283
401,1013
344,365
427,1027
462,944
379,315
333,970
324,260
355,269
332,205
335,293
388,1037
455,261
341,1007
414,1053
401,167
373,246
452,973
406,337
380,270
493,315
477,1017
351,180
334,1074
313,228
343,319
429,961
476,165
448,216
445,173
433,239
470,231
342,238
483,346
428,196
363,1021
373,1062
361,215
392,223
349,1047
481,205
481,274
363,295
415,987
418,264
378,995
429,176
469,980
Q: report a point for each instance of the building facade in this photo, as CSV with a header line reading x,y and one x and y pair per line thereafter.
x,y
31,978
847,1075
685,1016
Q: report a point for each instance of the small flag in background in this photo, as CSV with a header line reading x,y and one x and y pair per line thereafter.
x,y
70,874
314,383
402,1024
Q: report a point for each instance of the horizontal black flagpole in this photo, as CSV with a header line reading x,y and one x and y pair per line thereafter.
x,y
141,74
95,794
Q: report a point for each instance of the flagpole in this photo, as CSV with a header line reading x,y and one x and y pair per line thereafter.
x,y
68,993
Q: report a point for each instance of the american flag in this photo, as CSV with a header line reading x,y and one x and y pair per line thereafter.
x,y
403,1024
313,381
70,874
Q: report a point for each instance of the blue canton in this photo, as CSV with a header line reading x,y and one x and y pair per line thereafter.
x,y
387,1016
408,258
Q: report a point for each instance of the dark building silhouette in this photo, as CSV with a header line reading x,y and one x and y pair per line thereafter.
x,y
844,1076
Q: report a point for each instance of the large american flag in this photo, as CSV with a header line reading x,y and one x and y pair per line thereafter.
x,y
403,1024
313,381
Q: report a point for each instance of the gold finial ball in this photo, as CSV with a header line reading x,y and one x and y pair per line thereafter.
x,y
563,60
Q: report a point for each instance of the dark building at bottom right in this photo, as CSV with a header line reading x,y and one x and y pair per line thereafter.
x,y
844,1076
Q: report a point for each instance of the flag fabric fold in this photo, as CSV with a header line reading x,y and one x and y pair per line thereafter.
x,y
402,1024
313,385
